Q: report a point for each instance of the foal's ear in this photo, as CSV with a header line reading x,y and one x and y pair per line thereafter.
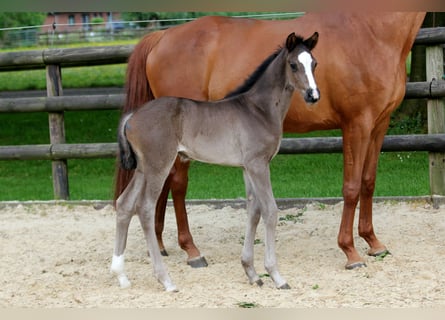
x,y
292,41
311,41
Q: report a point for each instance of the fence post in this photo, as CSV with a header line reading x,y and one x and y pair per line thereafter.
x,y
57,133
436,119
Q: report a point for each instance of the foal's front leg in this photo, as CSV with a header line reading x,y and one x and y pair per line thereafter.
x,y
253,217
261,203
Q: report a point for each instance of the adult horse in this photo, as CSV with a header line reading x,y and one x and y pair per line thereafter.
x,y
242,130
361,76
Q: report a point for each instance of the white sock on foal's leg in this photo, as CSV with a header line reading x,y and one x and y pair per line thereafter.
x,y
117,267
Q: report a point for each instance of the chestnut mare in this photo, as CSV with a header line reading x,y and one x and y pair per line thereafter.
x,y
242,130
361,78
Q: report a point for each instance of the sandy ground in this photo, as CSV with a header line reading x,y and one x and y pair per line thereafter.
x,y
56,255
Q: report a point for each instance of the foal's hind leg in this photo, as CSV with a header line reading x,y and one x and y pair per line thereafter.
x,y
156,172
125,208
146,217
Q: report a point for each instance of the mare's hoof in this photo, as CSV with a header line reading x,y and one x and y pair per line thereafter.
x,y
164,253
355,265
379,254
284,287
199,262
259,282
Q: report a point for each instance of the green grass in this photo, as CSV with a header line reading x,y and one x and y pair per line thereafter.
x,y
75,77
31,180
319,175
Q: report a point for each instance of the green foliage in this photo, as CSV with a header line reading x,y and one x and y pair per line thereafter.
x,y
97,20
248,305
177,17
407,124
293,217
382,256
21,19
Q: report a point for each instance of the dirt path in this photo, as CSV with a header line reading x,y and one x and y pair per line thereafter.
x,y
59,256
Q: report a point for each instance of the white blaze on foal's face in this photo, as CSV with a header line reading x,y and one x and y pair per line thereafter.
x,y
306,60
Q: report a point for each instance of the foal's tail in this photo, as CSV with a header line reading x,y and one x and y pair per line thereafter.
x,y
126,153
138,92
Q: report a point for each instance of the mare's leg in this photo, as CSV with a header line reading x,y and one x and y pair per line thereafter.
x,y
259,176
179,189
125,209
366,229
356,139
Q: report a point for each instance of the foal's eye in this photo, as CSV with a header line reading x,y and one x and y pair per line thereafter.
x,y
293,66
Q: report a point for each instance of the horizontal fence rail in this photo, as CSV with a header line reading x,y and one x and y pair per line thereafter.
x,y
394,143
59,151
425,90
55,104
68,57
62,103
414,90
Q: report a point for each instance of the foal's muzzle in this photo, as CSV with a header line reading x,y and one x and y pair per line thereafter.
x,y
312,95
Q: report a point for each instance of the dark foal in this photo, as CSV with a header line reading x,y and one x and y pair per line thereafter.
x,y
242,130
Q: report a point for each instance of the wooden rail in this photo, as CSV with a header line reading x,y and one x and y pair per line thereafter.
x,y
69,57
414,90
395,143
56,104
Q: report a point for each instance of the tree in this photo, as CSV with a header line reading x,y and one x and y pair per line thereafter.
x,y
20,19
180,16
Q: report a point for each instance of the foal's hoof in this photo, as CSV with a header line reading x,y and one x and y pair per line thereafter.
x,y
124,283
284,287
199,262
259,282
164,253
355,265
171,288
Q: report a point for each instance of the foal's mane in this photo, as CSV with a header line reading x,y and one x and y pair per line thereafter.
x,y
254,76
250,81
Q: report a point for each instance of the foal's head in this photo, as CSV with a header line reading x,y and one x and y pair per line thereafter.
x,y
301,66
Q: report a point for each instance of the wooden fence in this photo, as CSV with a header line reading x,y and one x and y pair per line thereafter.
x,y
55,104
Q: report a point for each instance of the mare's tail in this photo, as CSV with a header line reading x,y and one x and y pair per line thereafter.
x,y
138,92
126,153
